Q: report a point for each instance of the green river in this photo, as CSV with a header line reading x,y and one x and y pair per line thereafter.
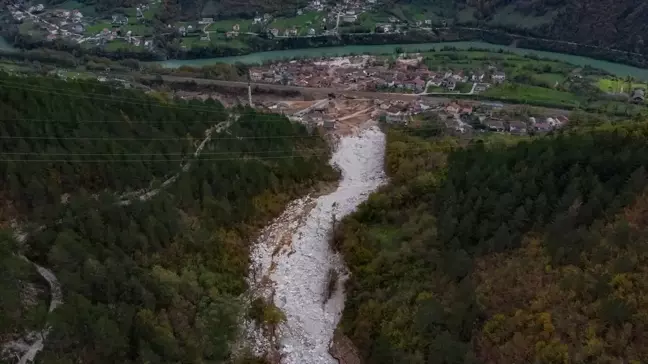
x,y
256,58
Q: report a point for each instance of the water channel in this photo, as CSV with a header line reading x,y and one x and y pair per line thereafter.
x,y
617,69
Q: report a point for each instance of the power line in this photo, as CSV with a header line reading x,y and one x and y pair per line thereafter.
x,y
166,138
117,154
109,98
242,155
261,116
155,160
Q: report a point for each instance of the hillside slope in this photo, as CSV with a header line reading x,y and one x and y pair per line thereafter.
x,y
606,23
156,280
503,254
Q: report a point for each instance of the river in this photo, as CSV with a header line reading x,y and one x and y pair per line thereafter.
x,y
617,69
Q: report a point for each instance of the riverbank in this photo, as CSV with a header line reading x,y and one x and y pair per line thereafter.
x,y
257,49
422,38
617,69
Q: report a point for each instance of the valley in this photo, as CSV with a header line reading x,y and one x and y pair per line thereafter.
x,y
450,204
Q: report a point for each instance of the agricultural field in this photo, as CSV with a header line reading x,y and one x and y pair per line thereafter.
x,y
215,41
302,22
615,85
121,44
550,79
87,10
527,93
223,26
97,27
148,14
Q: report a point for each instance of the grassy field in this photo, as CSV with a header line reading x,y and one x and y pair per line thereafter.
x,y
228,25
215,41
27,26
607,84
302,22
148,14
138,29
546,70
527,93
85,9
464,87
121,44
550,79
97,27
616,108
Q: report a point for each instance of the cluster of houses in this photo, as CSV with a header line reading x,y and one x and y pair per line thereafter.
x,y
71,24
485,116
467,117
57,23
364,73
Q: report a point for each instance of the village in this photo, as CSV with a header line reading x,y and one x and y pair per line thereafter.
x,y
341,114
407,74
132,27
454,117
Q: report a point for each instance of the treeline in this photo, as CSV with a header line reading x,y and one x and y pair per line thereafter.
x,y
502,254
156,280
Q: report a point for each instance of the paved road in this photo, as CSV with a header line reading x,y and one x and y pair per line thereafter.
x,y
324,91
304,90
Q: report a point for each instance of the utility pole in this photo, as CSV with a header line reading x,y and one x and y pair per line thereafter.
x,y
249,89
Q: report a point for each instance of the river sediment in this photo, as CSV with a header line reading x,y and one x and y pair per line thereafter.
x,y
292,260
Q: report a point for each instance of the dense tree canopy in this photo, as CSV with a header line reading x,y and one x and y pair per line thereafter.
x,y
502,253
157,280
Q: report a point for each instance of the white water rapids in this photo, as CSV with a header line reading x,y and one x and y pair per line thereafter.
x,y
292,258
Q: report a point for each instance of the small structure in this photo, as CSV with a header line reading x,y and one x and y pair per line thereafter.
x,y
481,87
517,128
453,108
499,77
396,118
450,84
638,96
206,21
236,27
329,124
494,125
119,19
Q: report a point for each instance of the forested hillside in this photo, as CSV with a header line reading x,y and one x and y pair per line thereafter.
x,y
606,23
157,279
524,253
